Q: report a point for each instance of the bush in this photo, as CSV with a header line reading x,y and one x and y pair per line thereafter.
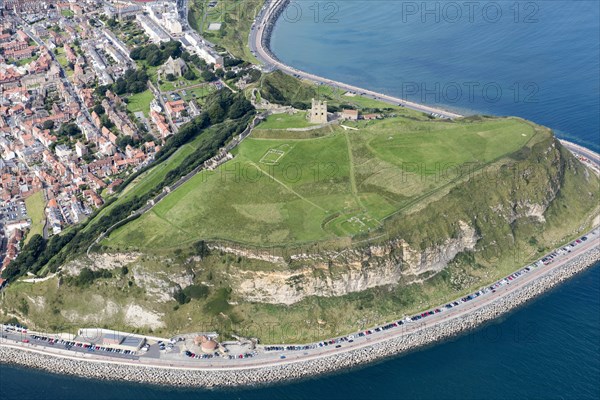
x,y
196,291
189,75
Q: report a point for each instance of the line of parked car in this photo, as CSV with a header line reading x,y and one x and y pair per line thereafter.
x,y
492,288
69,344
217,354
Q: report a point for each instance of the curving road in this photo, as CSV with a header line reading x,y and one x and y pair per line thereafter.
x,y
271,358
264,21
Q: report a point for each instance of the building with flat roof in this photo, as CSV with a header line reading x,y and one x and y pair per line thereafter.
x,y
156,33
110,338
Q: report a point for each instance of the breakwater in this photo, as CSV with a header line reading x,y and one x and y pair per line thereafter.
x,y
248,375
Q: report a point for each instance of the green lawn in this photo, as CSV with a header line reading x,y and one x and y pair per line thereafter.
x,y
67,13
284,121
140,102
35,209
25,61
290,190
236,17
180,82
60,57
149,179
198,93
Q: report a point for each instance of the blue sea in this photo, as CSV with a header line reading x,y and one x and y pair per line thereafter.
x,y
536,59
547,349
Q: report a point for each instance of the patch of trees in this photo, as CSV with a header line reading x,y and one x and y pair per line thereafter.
x,y
156,55
232,62
208,76
99,109
69,130
133,81
124,141
35,254
194,59
191,292
201,248
189,75
86,277
229,114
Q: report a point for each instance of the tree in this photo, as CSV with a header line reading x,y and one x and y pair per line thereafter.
x,y
99,109
69,130
48,124
154,60
124,141
216,113
219,72
136,53
136,87
170,77
189,75
208,76
120,86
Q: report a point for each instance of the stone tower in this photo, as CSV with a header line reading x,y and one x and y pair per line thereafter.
x,y
318,112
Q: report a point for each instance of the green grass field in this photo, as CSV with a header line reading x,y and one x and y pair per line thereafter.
x,y
284,121
140,102
291,190
180,82
236,17
35,209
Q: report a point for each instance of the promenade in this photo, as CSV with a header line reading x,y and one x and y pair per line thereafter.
x,y
270,366
259,41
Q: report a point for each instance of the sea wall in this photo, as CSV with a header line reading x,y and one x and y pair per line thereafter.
x,y
295,370
270,25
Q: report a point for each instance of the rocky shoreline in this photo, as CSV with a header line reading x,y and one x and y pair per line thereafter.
x,y
261,375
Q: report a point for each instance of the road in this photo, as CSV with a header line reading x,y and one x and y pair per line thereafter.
x,y
261,29
64,78
582,151
265,358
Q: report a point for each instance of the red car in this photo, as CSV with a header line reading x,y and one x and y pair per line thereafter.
x,y
25,340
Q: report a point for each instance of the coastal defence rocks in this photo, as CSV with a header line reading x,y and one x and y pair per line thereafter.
x,y
258,375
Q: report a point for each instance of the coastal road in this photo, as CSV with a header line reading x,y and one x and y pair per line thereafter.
x,y
378,336
259,35
576,149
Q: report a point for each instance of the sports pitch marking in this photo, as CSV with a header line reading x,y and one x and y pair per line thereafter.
x,y
273,156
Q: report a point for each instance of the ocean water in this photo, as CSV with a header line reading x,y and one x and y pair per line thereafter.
x,y
543,59
547,349
534,59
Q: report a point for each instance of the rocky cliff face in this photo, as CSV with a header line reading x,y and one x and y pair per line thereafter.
x,y
479,214
351,271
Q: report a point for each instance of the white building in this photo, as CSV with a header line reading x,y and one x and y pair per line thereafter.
x,y
152,29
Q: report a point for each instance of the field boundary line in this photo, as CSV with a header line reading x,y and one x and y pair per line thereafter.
x,y
287,187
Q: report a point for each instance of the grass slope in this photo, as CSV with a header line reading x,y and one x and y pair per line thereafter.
x,y
140,102
35,209
288,190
